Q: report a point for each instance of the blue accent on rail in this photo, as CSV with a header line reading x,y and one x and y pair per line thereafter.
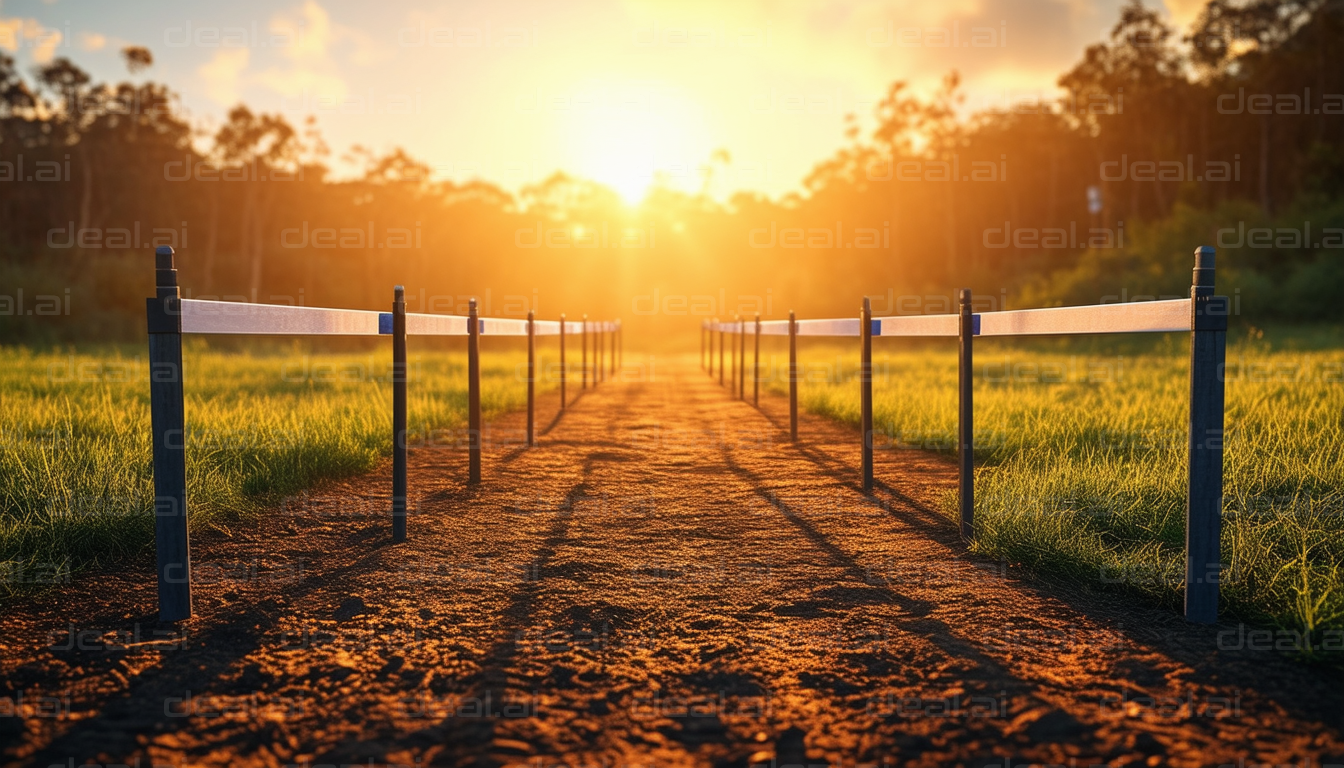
x,y
975,325
384,322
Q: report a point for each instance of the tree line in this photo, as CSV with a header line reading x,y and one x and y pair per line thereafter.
x,y
1232,135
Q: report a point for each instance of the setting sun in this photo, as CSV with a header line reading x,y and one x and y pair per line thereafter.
x,y
629,136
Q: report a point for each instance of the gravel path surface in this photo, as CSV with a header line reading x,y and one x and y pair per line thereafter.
x,y
665,581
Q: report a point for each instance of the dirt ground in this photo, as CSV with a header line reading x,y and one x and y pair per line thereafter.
x,y
664,580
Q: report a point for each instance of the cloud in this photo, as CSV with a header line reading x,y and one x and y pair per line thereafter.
x,y
16,33
92,41
223,74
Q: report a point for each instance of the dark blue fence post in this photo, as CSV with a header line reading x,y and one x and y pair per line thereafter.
x,y
742,359
756,366
966,419
866,391
398,414
168,423
531,372
732,358
473,395
720,352
793,378
564,374
584,336
1204,500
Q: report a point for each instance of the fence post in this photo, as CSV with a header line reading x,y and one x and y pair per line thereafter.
x,y
399,413
742,359
1204,504
615,334
620,344
793,378
702,345
866,390
583,330
163,314
531,372
716,322
756,366
563,373
965,417
473,395
732,359
599,354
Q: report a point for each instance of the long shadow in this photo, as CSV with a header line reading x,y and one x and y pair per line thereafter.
x,y
993,678
210,652
1272,675
472,738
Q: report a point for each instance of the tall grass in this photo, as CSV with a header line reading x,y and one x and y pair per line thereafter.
x,y
76,483
1081,459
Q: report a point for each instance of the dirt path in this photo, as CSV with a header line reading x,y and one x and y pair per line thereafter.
x,y
663,581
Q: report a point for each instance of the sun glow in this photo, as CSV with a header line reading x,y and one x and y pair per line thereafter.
x,y
628,144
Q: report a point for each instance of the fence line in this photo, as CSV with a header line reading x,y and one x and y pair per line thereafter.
x,y
169,317
1203,315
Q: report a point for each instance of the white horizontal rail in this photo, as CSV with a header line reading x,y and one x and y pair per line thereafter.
x,y
498,326
918,325
234,317
418,324
848,326
546,327
1131,317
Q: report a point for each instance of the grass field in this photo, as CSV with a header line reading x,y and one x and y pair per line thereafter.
x,y
75,474
1081,457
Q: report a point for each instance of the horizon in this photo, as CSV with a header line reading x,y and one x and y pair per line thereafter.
x,y
645,95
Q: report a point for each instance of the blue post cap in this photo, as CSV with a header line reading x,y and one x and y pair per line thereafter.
x,y
1204,255
1203,273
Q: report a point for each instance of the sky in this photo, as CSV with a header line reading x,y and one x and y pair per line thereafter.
x,y
625,92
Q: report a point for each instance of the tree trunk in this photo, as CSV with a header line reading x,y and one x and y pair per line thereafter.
x,y
245,230
212,240
86,195
1264,164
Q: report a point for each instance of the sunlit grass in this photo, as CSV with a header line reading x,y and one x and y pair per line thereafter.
x,y
76,483
1081,460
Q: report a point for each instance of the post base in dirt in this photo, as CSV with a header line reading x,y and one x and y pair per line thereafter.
x,y
965,419
1204,499
399,414
473,395
168,422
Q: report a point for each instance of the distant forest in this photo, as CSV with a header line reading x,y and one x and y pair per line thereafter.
x,y
1232,136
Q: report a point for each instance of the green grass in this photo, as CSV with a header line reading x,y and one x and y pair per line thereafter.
x,y
76,484
1081,458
